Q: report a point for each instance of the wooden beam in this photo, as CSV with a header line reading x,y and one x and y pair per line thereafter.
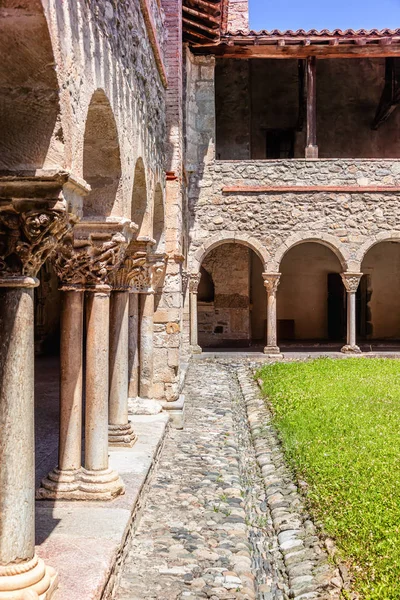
x,y
390,98
323,51
301,67
152,33
311,143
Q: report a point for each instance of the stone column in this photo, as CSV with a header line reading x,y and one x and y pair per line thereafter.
x,y
193,290
271,282
85,261
63,481
133,360
120,431
351,282
146,309
29,232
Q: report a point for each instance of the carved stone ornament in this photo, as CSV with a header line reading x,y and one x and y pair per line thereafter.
x,y
29,234
271,282
132,274
351,281
89,262
158,265
194,282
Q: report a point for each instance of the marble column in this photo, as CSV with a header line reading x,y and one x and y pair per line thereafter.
x,y
351,282
63,481
193,290
29,231
271,282
146,364
120,431
133,360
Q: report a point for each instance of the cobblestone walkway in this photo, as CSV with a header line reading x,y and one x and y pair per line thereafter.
x,y
206,529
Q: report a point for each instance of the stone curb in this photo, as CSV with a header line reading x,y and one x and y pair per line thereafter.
x,y
310,573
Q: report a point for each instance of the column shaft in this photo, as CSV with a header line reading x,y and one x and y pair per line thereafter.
x,y
133,345
22,573
71,368
120,431
271,321
97,346
146,345
351,319
17,438
193,320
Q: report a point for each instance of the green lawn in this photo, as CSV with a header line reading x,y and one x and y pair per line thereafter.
x,y
339,421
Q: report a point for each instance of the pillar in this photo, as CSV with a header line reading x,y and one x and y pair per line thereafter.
x,y
351,282
133,360
63,482
311,144
146,345
120,431
271,282
193,290
98,481
22,573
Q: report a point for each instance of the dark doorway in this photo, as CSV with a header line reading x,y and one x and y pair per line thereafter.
x,y
336,308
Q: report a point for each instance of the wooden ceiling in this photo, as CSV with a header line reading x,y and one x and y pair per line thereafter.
x,y
201,20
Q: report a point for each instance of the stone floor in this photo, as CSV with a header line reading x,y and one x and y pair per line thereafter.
x,y
207,530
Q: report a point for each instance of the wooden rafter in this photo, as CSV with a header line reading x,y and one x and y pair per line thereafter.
x,y
390,98
201,20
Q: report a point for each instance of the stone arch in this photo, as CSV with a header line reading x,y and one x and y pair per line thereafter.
x,y
384,236
228,238
101,157
31,134
325,239
140,213
159,219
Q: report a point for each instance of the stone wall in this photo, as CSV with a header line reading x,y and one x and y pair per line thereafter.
x,y
238,15
273,222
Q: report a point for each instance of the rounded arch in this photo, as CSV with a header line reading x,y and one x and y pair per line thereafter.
x,y
31,135
228,238
159,219
101,157
384,236
327,240
139,204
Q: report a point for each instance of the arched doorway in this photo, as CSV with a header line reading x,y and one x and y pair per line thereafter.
x,y
378,315
311,298
101,158
140,213
31,136
231,307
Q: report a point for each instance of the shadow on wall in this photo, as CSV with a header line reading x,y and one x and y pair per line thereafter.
x,y
31,134
140,210
101,157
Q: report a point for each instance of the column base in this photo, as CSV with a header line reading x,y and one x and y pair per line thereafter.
x,y
59,484
31,580
80,485
143,406
196,349
100,485
347,349
121,436
273,352
176,411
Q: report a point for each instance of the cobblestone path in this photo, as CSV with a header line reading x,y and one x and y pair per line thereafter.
x,y
205,530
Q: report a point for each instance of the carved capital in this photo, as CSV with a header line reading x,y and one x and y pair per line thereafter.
x,y
158,265
133,273
30,231
271,282
194,282
89,260
351,281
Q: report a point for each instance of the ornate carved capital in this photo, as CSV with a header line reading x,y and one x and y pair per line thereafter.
x,y
271,282
158,265
29,233
132,274
194,282
88,257
351,281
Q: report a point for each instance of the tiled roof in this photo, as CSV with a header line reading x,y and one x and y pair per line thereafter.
x,y
315,33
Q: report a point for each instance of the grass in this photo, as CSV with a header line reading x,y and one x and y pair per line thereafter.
x,y
339,422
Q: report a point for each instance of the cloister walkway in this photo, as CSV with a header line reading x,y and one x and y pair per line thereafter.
x,y
207,530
